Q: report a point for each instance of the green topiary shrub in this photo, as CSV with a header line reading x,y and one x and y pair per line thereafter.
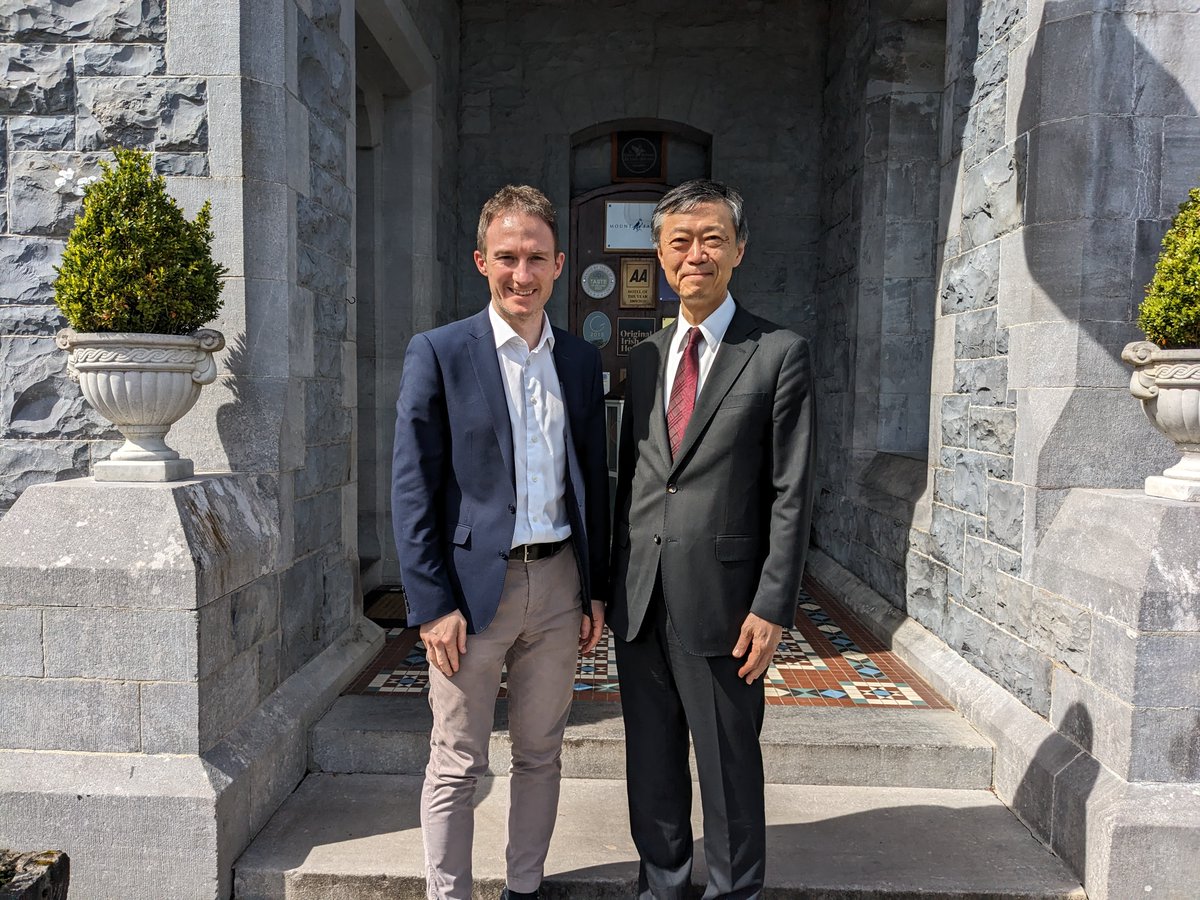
x,y
1170,314
133,262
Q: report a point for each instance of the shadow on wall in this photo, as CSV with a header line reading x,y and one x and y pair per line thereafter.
x,y
232,416
1062,758
1098,196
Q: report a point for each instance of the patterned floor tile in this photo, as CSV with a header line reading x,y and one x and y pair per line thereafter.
x,y
827,659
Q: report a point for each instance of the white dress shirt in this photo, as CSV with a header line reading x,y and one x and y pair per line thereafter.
x,y
713,330
538,419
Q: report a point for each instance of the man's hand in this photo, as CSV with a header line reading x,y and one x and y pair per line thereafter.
x,y
760,638
445,640
591,629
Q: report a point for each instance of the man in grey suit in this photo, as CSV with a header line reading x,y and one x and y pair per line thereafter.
x,y
714,498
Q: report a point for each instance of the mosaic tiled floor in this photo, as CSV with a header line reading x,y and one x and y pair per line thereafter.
x,y
827,659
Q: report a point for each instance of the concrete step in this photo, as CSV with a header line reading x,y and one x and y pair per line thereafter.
x,y
865,746
358,836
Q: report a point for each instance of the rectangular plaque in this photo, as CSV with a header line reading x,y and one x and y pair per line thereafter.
x,y
637,284
631,332
627,225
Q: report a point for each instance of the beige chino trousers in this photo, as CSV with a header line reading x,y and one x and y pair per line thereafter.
x,y
536,633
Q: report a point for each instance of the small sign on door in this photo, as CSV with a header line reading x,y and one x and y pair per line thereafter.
x,y
627,225
638,284
631,332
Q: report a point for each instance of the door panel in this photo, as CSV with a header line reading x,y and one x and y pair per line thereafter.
x,y
609,247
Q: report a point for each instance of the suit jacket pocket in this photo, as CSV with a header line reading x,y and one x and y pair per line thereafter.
x,y
735,547
462,535
754,398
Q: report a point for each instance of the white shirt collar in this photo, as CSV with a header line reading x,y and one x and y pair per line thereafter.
x,y
712,328
502,332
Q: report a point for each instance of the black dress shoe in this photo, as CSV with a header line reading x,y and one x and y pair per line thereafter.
x,y
506,894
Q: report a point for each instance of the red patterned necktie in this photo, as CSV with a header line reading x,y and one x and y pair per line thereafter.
x,y
683,390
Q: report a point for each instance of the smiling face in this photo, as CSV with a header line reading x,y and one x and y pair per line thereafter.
x,y
698,251
520,263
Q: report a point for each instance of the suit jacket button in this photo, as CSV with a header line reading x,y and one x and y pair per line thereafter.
x,y
657,539
672,488
503,555
512,509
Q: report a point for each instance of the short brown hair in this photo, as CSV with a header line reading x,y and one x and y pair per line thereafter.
x,y
516,198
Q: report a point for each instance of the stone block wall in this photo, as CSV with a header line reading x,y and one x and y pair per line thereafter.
x,y
75,79
406,238
439,24
834,352
104,661
876,285
959,565
1023,540
536,74
320,587
1061,147
265,130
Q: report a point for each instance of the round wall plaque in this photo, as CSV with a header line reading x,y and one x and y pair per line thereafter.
x,y
598,281
597,329
639,155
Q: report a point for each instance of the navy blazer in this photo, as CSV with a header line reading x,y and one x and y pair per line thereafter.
x,y
453,484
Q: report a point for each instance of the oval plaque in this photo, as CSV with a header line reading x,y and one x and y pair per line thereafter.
x,y
598,281
597,329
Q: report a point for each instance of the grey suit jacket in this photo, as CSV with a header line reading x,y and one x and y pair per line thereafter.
x,y
727,521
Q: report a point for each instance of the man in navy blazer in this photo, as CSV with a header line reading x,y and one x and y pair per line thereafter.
x,y
500,503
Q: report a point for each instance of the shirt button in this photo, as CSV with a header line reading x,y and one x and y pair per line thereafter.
x,y
672,488
534,479
657,539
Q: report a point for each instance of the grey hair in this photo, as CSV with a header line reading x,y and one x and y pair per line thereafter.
x,y
691,194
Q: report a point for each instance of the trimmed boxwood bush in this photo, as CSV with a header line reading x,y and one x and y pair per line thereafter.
x,y
133,262
1170,313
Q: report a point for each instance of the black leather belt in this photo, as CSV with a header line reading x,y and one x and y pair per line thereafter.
x,y
531,552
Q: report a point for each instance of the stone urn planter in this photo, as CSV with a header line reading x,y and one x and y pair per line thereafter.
x,y
143,384
1168,384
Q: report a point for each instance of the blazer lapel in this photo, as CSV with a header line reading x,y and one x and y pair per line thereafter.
x,y
491,385
735,351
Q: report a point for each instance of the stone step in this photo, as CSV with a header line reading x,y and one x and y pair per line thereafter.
x,y
358,836
864,746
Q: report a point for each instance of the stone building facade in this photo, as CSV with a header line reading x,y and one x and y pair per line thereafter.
x,y
958,203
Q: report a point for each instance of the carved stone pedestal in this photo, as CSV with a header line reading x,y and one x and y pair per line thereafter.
x,y
150,728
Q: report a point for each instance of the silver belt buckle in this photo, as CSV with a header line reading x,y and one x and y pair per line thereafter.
x,y
525,552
